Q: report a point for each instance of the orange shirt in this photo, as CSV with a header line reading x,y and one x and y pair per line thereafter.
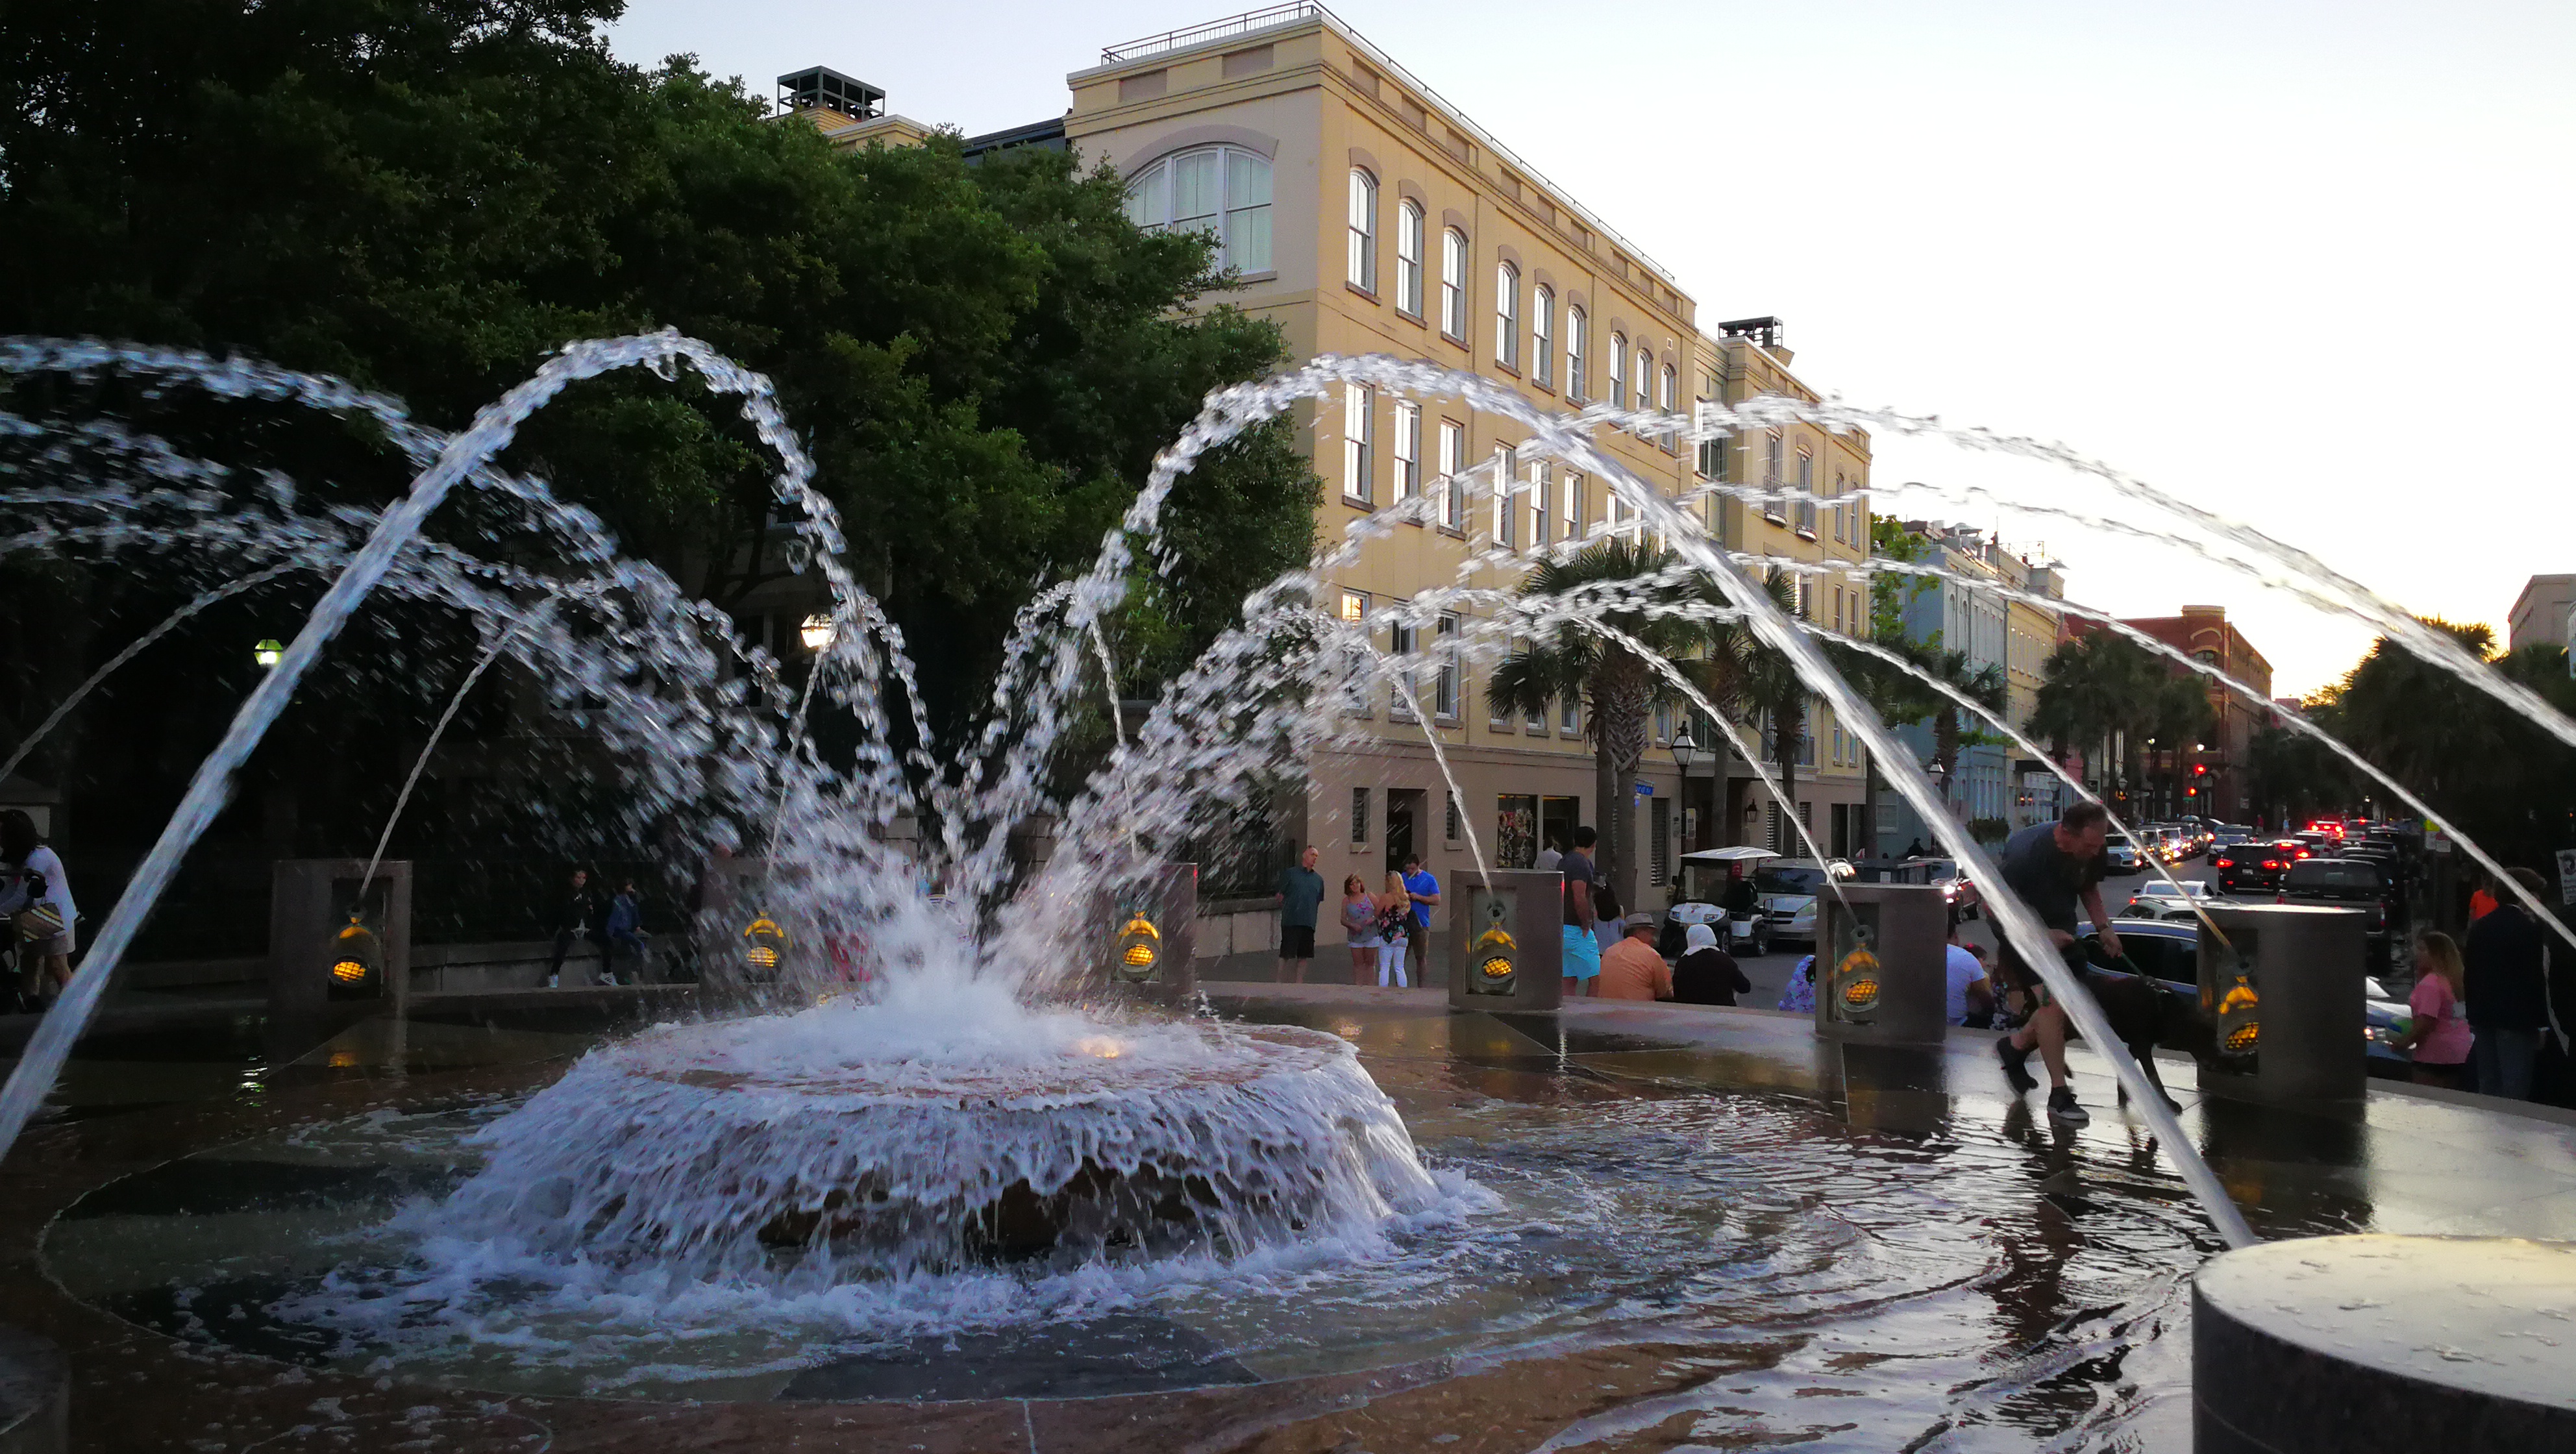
x,y
1632,970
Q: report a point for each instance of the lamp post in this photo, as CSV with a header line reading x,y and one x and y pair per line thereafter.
x,y
267,653
1684,749
816,632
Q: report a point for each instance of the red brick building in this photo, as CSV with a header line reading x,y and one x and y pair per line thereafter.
x,y
2221,792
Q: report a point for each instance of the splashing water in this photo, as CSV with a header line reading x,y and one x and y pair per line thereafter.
x,y
725,736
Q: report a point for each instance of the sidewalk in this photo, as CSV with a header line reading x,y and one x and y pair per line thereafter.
x,y
1332,966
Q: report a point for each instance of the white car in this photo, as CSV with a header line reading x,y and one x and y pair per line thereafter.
x,y
1788,889
2157,900
2122,854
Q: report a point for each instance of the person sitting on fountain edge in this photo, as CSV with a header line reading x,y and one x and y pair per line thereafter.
x,y
2050,867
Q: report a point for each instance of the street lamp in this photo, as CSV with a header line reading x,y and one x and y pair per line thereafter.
x,y
267,653
1684,748
816,632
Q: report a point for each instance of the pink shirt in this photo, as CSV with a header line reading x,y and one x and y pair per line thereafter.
x,y
2448,1042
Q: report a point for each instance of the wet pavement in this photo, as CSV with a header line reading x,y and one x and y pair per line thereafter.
x,y
1705,1229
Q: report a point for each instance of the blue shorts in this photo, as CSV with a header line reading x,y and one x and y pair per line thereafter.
x,y
1582,953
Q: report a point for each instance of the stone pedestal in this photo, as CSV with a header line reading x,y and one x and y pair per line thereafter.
x,y
1880,972
2281,987
2385,1345
311,902
1506,940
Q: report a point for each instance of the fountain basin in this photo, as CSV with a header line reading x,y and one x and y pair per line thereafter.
x,y
737,1150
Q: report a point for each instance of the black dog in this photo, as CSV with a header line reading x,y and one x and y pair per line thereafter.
x,y
2146,1013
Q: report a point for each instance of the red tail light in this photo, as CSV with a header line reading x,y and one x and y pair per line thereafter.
x,y
2272,864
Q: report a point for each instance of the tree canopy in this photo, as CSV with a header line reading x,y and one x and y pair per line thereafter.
x,y
429,196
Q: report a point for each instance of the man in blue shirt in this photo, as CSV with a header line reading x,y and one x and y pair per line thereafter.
x,y
1424,890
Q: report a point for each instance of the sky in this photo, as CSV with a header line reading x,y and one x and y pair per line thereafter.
x,y
2303,265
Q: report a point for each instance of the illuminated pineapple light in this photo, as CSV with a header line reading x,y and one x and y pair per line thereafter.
x,y
1855,977
2240,1027
1139,949
354,955
766,949
1496,955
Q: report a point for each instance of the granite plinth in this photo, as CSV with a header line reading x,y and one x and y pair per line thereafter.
x,y
2366,1343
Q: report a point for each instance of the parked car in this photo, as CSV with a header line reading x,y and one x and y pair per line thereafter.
x,y
2157,900
2253,867
2169,953
1787,889
2346,883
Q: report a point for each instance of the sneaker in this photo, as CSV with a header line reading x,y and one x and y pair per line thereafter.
x,y
2064,1111
554,981
606,978
2014,1070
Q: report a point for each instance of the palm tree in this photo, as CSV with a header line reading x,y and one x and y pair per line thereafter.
x,y
1618,687
2092,694
1759,685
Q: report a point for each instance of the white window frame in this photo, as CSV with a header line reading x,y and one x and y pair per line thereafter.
x,y
1359,443
1408,451
1578,337
1645,377
1403,639
1507,315
1569,506
1453,284
1241,228
1618,395
1363,230
1542,335
1506,470
1447,686
1541,476
1408,258
1453,491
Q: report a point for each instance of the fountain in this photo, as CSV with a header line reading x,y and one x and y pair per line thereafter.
x,y
991,1152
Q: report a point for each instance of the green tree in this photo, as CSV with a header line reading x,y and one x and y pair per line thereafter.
x,y
427,196
1618,687
1762,687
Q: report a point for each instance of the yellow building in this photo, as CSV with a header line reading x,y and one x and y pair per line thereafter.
x,y
1828,537
1366,215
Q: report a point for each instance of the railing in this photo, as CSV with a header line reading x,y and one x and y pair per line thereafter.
x,y
1215,30
1263,19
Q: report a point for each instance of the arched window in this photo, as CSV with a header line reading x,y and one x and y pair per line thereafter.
x,y
1507,315
1578,343
1542,333
1408,258
1618,371
1363,230
1453,284
1664,395
1645,375
1220,190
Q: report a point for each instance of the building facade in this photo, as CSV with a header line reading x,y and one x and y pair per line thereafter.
x,y
2540,614
1810,516
1364,214
2213,775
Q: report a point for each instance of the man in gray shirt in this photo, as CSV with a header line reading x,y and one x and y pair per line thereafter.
x,y
1301,892
2053,867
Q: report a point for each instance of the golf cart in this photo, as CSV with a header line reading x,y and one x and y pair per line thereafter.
x,y
1698,898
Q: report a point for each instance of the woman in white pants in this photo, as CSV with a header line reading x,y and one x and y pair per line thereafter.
x,y
1395,924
